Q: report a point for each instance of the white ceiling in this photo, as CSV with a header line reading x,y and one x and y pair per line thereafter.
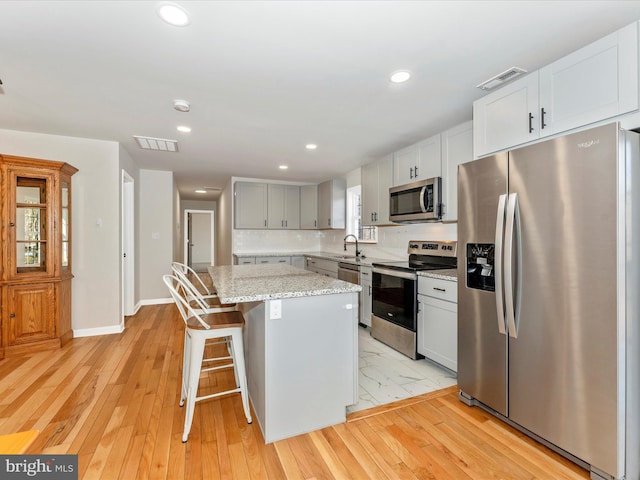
x,y
266,77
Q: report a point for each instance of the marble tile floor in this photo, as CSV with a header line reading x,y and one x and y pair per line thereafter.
x,y
387,375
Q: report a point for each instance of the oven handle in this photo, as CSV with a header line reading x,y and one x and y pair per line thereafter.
x,y
395,273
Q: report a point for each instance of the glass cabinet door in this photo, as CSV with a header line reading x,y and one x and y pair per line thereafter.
x,y
31,224
66,237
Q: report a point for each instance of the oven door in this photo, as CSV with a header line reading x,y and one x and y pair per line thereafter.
x,y
395,297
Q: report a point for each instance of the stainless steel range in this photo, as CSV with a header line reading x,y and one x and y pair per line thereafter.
x,y
394,316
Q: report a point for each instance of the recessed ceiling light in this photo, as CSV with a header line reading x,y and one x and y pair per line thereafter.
x,y
311,146
183,129
201,191
283,167
400,76
181,105
174,15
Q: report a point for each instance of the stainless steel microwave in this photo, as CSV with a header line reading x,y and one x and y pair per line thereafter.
x,y
416,202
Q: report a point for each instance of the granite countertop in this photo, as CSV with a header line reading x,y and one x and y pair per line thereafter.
x,y
250,283
448,274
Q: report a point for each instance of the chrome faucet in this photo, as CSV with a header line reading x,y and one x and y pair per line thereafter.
x,y
358,252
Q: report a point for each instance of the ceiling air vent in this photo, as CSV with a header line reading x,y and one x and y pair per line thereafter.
x,y
501,78
161,144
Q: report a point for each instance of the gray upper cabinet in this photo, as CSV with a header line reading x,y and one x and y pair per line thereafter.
x,y
309,207
283,207
417,162
332,196
592,84
251,205
377,177
457,148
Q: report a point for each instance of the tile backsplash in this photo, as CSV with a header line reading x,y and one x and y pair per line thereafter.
x,y
392,241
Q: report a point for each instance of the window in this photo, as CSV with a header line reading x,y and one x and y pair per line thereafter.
x,y
366,233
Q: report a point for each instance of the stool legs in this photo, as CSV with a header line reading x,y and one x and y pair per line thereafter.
x,y
194,361
194,345
237,351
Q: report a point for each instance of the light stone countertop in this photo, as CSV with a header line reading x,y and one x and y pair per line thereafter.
x,y
251,283
448,274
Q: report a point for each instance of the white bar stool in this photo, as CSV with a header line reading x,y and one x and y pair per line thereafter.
x,y
202,303
201,327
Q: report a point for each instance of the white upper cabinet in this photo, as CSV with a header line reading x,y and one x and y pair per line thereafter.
x,y
417,162
332,203
250,205
457,148
309,207
376,180
506,117
284,206
594,83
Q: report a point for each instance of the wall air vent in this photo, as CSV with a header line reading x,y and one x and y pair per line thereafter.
x,y
161,144
501,78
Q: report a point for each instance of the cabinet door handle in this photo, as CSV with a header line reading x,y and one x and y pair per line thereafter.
x,y
542,114
265,223
286,224
530,122
315,223
440,289
12,224
13,315
411,172
415,171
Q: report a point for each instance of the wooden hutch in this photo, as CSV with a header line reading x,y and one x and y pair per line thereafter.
x,y
35,256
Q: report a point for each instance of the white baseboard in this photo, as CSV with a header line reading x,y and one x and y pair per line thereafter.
x,y
92,332
153,301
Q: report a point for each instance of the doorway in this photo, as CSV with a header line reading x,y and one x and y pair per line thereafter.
x,y
127,255
199,244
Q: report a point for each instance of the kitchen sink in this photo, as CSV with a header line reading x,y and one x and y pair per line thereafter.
x,y
344,257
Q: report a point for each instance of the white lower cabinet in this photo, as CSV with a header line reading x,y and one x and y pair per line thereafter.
x,y
365,296
322,266
281,260
438,321
245,260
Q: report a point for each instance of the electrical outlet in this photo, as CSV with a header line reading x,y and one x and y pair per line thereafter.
x,y
275,311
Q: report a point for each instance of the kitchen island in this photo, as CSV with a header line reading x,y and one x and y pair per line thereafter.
x,y
301,344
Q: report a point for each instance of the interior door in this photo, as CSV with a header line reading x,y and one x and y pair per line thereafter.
x,y
482,349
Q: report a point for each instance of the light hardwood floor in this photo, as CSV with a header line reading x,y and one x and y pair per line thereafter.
x,y
113,400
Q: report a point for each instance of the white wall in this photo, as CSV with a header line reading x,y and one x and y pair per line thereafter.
x,y
157,228
95,196
224,226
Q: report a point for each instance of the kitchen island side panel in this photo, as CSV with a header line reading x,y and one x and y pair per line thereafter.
x,y
309,374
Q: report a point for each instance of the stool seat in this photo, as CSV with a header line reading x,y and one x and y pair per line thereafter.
x,y
217,320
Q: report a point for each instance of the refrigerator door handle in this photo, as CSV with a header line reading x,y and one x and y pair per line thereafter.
x,y
512,235
497,263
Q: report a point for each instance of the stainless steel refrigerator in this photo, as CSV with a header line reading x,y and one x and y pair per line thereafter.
x,y
548,271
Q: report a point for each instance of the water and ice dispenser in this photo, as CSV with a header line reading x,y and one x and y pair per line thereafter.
x,y
480,266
